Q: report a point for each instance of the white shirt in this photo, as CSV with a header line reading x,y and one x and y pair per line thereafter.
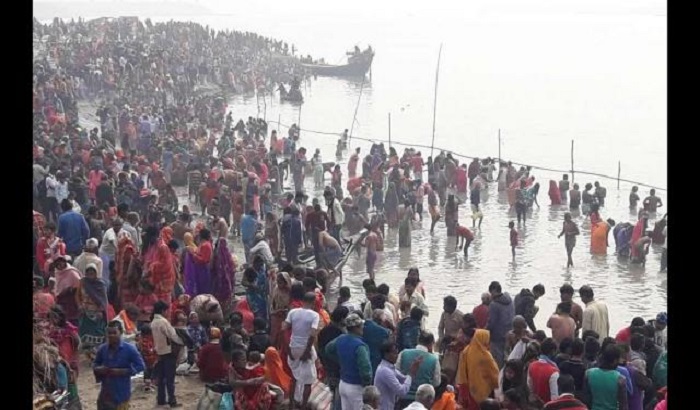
x,y
61,191
264,250
415,406
302,321
391,384
595,317
109,243
51,186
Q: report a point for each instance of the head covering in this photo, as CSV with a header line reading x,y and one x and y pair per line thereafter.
x,y
214,333
166,234
662,318
91,266
92,243
354,320
189,240
274,371
477,369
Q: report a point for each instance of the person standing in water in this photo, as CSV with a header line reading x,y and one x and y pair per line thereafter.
x,y
634,198
569,230
513,238
600,193
587,199
564,187
575,198
371,242
652,202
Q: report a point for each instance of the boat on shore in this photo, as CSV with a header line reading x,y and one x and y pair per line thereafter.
x,y
359,63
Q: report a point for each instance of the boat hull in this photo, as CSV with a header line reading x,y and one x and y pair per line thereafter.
x,y
355,69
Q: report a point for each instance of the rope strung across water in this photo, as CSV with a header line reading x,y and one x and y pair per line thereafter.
x,y
454,154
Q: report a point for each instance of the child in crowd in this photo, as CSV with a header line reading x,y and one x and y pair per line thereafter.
x,y
513,238
260,340
199,338
144,342
181,351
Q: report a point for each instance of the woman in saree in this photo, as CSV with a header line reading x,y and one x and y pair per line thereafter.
x,y
65,336
451,215
92,300
599,237
477,374
272,233
48,248
162,271
554,193
461,179
196,266
129,270
67,283
274,370
223,273
391,206
251,391
280,307
255,283
405,226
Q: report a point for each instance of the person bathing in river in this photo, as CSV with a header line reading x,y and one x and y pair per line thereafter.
x,y
569,230
464,239
554,193
451,215
433,206
652,202
405,225
587,199
564,187
574,198
600,193
599,236
371,242
634,198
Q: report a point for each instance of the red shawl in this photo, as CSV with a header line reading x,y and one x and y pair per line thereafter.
x,y
162,269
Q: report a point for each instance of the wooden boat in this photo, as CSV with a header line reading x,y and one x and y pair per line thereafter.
x,y
357,66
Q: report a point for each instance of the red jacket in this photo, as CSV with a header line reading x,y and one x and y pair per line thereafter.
x,y
567,402
540,372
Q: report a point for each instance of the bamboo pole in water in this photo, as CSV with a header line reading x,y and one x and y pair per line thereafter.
x,y
389,130
572,162
354,117
437,73
619,166
499,145
279,118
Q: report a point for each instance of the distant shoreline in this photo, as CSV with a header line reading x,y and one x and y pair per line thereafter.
x,y
95,9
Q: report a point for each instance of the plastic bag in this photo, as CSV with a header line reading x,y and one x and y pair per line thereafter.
x,y
226,402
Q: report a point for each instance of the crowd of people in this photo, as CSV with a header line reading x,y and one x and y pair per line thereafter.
x,y
127,275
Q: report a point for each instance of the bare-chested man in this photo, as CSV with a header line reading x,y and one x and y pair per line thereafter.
x,y
517,334
371,242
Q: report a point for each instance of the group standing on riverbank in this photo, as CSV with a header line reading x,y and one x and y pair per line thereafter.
x,y
131,277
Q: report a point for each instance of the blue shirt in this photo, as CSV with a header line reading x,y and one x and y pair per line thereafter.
x,y
118,388
74,231
248,228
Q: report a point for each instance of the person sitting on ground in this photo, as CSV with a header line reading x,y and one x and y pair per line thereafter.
x,y
210,361
260,339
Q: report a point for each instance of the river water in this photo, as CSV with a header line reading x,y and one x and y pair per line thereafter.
x,y
542,72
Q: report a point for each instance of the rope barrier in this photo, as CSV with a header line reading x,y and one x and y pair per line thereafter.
x,y
454,154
